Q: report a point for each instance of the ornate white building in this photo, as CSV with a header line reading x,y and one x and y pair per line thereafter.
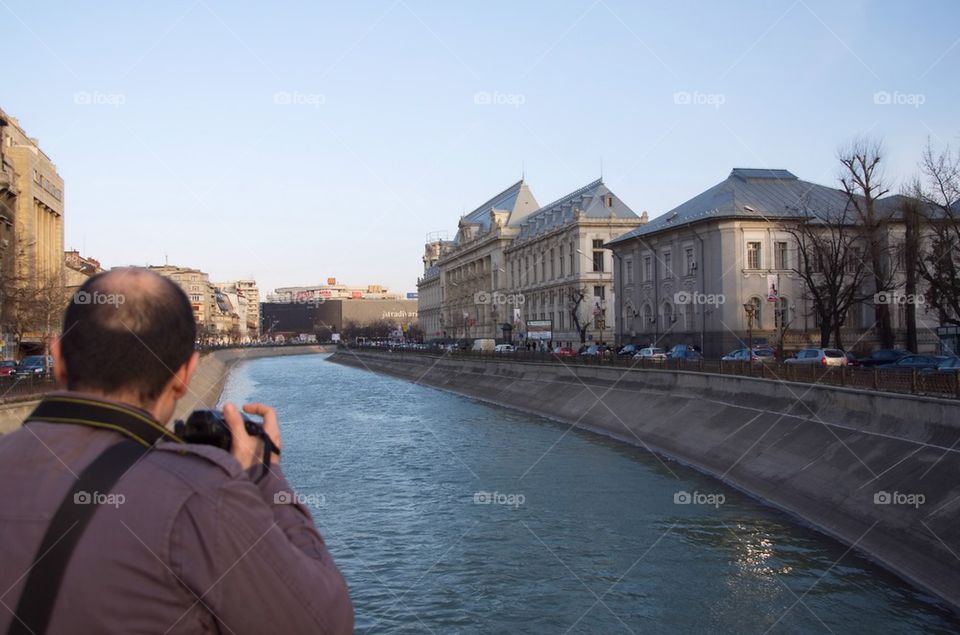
x,y
686,276
513,261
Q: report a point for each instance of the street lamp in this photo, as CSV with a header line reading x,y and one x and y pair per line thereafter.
x,y
751,310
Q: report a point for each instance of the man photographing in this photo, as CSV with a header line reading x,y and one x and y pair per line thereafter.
x,y
111,523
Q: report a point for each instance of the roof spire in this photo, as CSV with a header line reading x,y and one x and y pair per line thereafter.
x,y
523,170
601,167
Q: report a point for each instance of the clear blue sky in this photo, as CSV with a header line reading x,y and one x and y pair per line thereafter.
x,y
384,140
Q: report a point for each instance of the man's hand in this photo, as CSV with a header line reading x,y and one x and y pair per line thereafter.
x,y
248,450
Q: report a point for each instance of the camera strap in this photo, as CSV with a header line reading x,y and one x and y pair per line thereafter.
x,y
77,508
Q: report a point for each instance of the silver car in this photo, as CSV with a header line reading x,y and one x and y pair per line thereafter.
x,y
652,353
819,356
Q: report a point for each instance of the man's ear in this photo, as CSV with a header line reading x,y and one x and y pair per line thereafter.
x,y
181,378
59,367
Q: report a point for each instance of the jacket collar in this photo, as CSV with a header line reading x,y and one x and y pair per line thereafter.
x,y
79,409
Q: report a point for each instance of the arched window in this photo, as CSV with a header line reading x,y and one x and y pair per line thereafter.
x,y
647,314
667,315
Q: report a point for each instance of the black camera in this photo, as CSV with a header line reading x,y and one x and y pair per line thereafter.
x,y
208,427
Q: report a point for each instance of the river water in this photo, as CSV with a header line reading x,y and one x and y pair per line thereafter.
x,y
448,515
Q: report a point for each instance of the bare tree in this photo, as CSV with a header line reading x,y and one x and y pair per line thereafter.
x,y
912,211
575,298
938,264
33,305
829,264
863,183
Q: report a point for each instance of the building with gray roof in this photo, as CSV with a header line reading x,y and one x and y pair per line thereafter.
x,y
513,261
686,276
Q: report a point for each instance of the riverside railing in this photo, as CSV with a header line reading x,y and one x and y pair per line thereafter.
x,y
904,381
13,388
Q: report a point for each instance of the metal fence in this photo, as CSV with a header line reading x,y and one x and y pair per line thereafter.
x,y
14,388
914,382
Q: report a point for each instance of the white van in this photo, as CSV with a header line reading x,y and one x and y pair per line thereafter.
x,y
484,345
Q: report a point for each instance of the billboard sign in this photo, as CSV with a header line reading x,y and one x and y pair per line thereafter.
x,y
413,295
540,330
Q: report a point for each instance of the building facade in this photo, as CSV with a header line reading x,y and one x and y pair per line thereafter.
x,y
249,290
243,298
285,321
472,266
688,276
78,269
31,242
513,262
34,192
559,268
430,303
196,284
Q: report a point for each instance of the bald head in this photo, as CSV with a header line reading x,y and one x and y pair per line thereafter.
x,y
126,330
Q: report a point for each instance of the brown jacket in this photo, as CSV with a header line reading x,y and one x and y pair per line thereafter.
x,y
193,545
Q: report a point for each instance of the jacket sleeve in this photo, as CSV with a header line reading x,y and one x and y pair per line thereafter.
x,y
252,558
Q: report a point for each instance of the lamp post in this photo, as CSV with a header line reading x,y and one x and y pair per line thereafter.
x,y
751,310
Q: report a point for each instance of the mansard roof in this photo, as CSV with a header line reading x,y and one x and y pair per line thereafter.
x,y
517,200
748,193
590,200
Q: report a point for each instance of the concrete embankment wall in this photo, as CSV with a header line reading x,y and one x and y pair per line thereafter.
x,y
205,387
823,454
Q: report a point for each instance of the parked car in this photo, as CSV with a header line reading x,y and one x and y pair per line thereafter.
x,y
504,348
735,356
7,367
884,356
684,352
628,349
483,345
950,365
564,351
916,362
821,356
852,359
761,354
651,353
33,366
592,350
